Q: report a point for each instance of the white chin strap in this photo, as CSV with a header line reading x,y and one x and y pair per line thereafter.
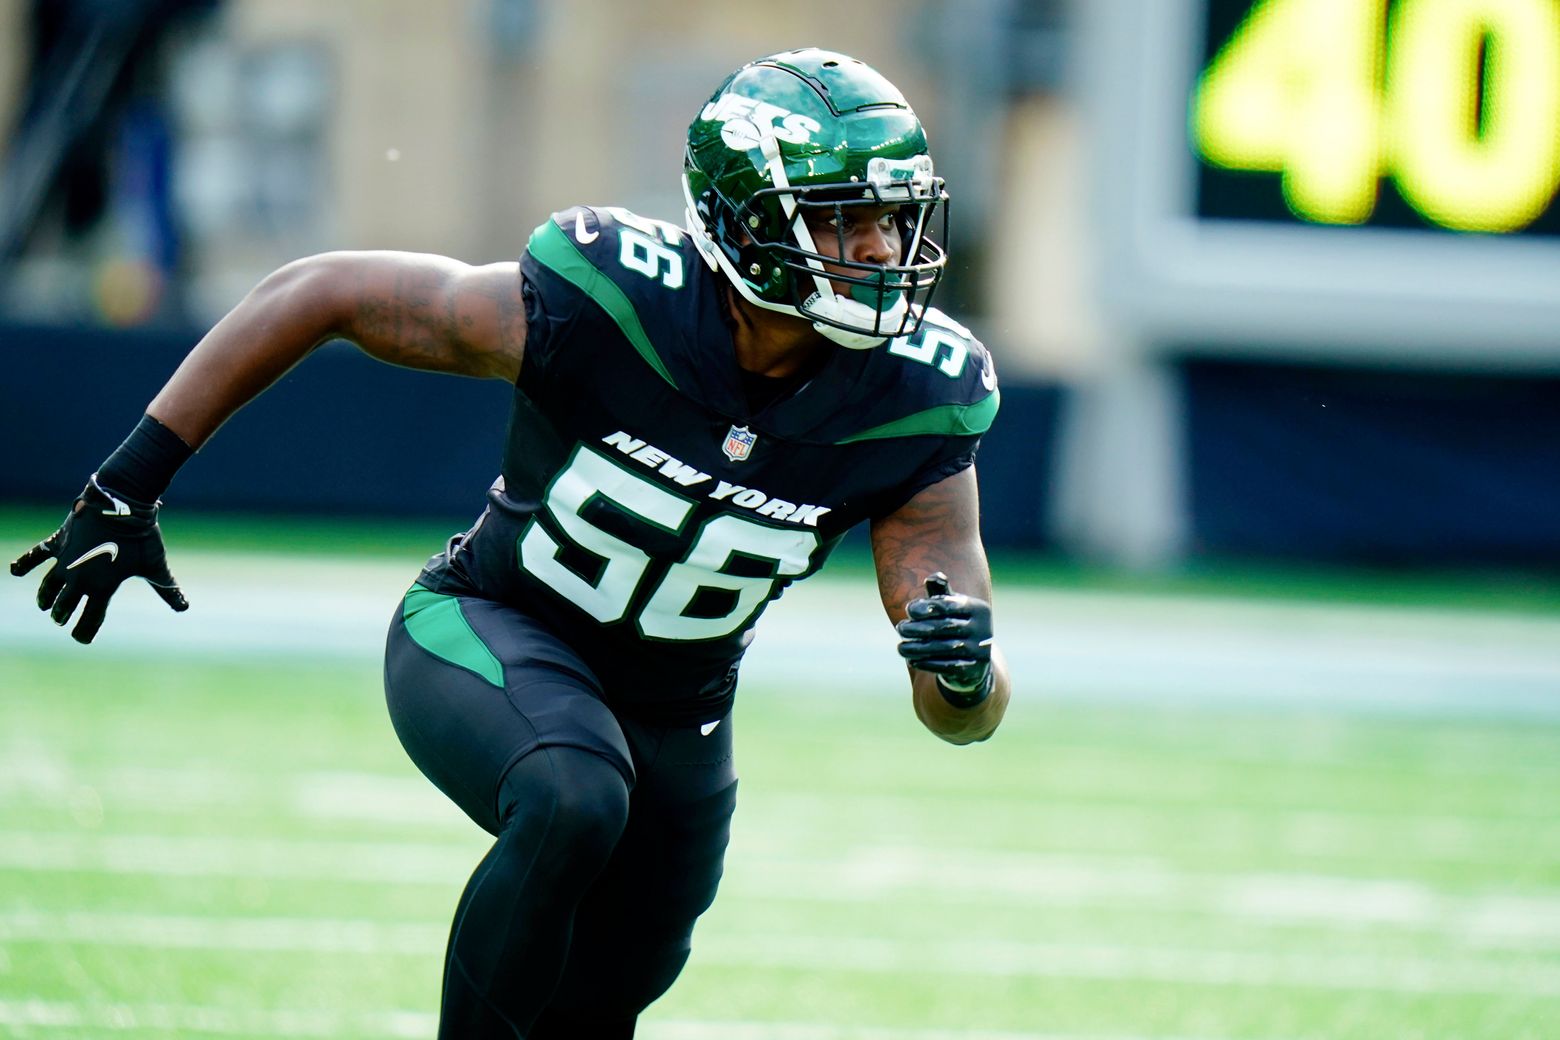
x,y
835,307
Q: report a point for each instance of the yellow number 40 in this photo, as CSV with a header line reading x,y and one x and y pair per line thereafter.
x,y
1334,95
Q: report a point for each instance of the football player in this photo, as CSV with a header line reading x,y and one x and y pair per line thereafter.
x,y
700,414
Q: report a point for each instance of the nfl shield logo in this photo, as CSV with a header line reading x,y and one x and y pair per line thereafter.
x,y
739,443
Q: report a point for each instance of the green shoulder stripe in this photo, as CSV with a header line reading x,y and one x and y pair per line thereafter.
x,y
550,246
436,624
947,420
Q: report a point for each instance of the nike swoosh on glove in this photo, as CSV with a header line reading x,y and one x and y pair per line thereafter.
x,y
104,540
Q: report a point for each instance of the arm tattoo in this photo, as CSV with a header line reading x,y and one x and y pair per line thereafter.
x,y
433,313
937,530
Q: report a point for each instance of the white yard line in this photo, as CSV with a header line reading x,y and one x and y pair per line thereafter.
x,y
234,934
987,958
809,1031
372,862
186,1019
40,777
183,1019
1298,830
863,873
1186,966
1070,643
242,606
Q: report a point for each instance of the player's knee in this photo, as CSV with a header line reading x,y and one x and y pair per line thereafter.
x,y
591,815
582,796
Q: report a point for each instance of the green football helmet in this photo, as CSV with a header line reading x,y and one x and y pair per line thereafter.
x,y
800,132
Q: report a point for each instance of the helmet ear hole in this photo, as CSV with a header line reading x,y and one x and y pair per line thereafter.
x,y
750,262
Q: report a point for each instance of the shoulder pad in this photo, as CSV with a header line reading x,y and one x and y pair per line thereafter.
x,y
605,235
944,383
630,266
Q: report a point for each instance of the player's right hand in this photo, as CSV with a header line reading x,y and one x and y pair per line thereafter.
x,y
104,540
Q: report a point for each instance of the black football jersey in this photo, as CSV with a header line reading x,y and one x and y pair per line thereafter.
x,y
645,511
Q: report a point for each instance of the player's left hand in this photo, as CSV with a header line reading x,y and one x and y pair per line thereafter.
x,y
104,540
949,634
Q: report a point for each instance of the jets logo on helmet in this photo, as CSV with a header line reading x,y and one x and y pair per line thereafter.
x,y
741,117
814,133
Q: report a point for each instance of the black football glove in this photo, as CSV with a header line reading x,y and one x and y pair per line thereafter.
x,y
104,540
949,634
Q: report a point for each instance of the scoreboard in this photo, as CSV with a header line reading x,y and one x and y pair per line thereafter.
x,y
1388,113
1345,179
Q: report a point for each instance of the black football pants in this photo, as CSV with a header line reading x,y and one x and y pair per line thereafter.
x,y
609,833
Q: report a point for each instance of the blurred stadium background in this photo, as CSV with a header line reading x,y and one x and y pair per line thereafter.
x,y
1273,501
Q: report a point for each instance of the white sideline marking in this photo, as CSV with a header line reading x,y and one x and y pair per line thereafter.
x,y
811,1031
375,862
1299,831
1095,645
44,777
861,874
374,798
887,873
182,1019
250,934
48,779
1389,972
415,1025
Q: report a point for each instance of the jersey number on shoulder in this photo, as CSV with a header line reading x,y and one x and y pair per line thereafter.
x,y
934,346
608,587
642,249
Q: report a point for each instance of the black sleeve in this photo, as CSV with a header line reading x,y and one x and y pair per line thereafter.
x,y
953,455
552,309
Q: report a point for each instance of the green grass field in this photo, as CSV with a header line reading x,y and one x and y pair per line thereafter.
x,y
194,846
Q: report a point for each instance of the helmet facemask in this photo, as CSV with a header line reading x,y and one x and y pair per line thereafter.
x,y
770,254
